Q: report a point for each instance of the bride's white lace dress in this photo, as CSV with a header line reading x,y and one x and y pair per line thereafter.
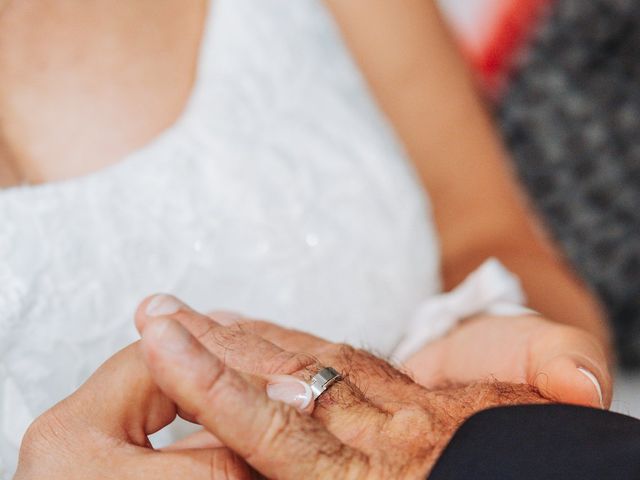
x,y
281,192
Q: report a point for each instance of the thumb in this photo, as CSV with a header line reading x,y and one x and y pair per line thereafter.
x,y
121,400
571,367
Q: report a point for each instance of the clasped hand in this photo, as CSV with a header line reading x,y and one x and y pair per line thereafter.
x,y
375,423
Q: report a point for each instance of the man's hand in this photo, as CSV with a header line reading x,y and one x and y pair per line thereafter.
x,y
101,432
375,423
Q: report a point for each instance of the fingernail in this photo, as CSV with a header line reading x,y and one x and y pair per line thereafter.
x,y
289,390
163,305
168,335
595,382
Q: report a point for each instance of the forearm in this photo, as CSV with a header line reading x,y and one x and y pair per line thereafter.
x,y
552,288
424,87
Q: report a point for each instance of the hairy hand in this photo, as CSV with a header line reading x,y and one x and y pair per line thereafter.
x,y
375,423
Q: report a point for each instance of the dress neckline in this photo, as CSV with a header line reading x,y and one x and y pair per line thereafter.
x,y
165,140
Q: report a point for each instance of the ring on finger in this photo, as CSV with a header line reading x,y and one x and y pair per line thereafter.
x,y
323,380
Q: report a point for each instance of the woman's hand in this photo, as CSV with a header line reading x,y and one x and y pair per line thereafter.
x,y
375,423
101,432
564,363
481,211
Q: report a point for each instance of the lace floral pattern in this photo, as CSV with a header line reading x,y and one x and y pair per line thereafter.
x,y
281,193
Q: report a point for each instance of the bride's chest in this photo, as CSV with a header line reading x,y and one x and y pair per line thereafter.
x,y
80,89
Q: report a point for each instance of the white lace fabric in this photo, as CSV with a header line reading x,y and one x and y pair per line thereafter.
x,y
281,193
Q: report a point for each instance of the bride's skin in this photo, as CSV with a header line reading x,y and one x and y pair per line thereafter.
x,y
84,83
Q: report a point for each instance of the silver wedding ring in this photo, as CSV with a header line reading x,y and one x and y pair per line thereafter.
x,y
322,380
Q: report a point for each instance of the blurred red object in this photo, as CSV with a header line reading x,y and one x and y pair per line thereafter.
x,y
492,32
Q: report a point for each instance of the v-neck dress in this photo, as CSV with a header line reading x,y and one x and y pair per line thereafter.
x,y
281,192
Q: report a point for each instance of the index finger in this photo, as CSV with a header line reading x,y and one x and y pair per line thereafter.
x,y
246,349
200,325
253,354
285,338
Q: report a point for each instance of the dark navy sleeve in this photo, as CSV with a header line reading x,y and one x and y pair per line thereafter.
x,y
543,442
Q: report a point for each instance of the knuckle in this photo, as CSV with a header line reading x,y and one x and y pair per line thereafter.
x,y
363,366
345,353
410,424
226,337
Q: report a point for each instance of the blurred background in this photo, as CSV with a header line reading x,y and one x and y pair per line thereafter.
x,y
561,77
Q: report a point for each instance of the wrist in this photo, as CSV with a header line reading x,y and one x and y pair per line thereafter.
x,y
448,408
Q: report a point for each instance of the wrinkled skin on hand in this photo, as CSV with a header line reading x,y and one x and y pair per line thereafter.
x,y
375,423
